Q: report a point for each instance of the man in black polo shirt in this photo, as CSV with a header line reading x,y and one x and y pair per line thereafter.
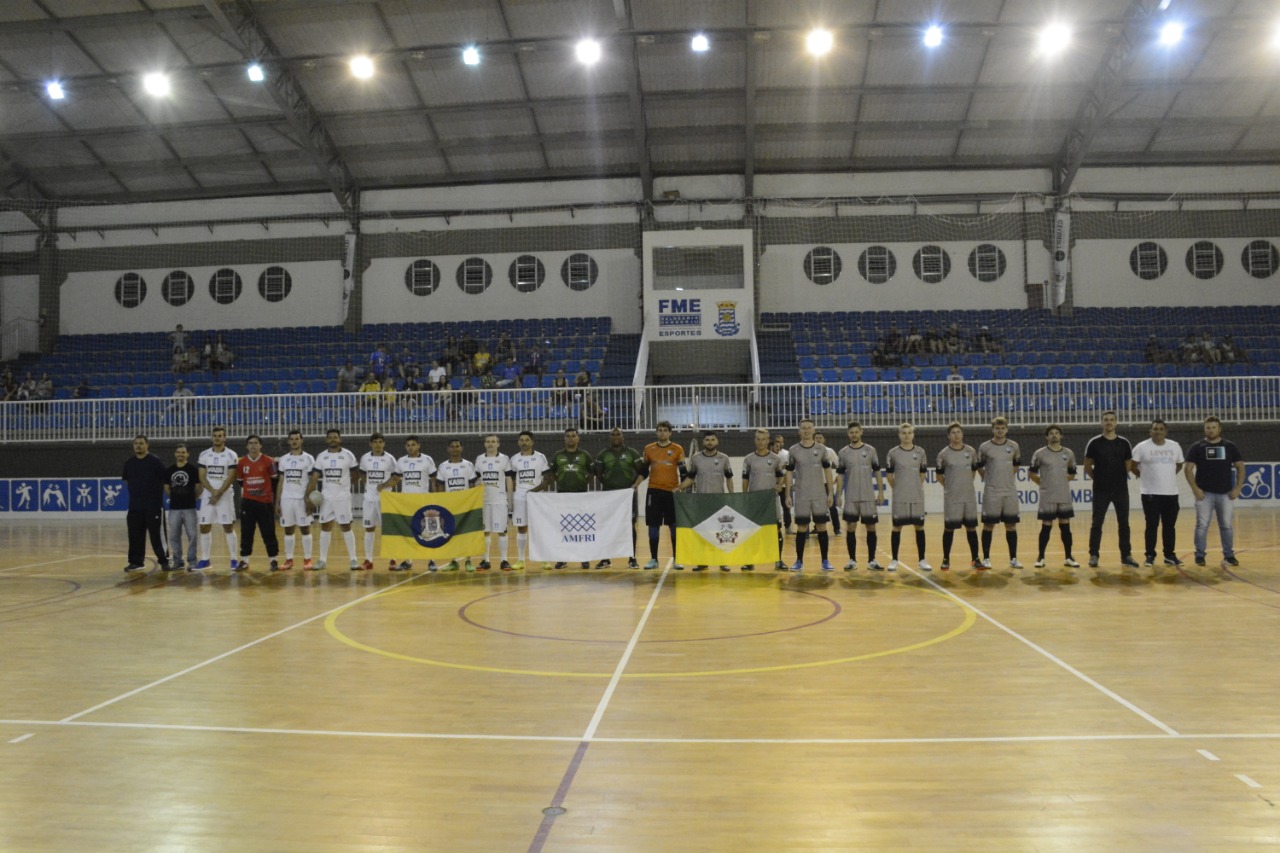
x,y
1108,460
144,474
1215,470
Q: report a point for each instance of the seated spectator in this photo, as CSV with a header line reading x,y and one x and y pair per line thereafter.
x,y
181,395
177,339
206,356
380,362
437,377
954,343
914,342
451,357
413,379
370,390
536,361
985,342
83,391
504,349
590,413
1153,353
560,387
892,341
44,388
883,357
348,378
222,358
1189,351
1231,352
1209,351
388,397
933,342
464,399
482,361
508,373
404,363
191,359
27,390
467,349
583,379
10,389
956,384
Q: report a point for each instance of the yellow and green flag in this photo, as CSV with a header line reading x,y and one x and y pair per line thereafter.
x,y
728,529
433,526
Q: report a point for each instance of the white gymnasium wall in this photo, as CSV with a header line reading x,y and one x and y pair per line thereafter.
x,y
1101,276
785,287
19,298
615,294
88,302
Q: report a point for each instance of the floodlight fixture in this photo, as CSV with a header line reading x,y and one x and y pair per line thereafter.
x,y
55,90
700,43
819,41
256,74
933,36
471,56
1171,33
588,51
362,67
156,83
1054,39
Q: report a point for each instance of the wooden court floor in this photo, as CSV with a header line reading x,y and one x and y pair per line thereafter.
x,y
623,710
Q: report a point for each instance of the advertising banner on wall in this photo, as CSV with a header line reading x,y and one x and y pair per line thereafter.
x,y
709,315
699,285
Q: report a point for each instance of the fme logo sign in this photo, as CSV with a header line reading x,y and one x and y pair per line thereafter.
x,y
679,318
1259,482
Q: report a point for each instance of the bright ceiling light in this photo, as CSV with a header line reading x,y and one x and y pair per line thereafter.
x,y
1054,39
1171,33
588,51
362,67
933,36
471,56
701,43
819,42
156,84
256,74
55,90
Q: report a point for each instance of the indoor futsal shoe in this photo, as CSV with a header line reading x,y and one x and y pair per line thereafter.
x,y
875,566
632,564
652,564
893,565
1039,564
827,567
307,565
923,565
1172,560
604,564
504,566
1232,562
275,565
850,566
1128,562
133,567
699,568
1014,563
797,566
288,564
1070,563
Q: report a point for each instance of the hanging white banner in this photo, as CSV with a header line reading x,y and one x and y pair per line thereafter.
x,y
575,527
1061,255
348,270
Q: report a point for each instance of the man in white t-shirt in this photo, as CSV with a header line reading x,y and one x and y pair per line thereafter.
x,y
456,474
291,501
333,470
493,468
528,468
1157,462
377,471
414,473
217,501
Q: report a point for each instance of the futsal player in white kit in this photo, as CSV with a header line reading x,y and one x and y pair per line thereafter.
x,y
333,468
295,470
414,472
217,501
377,470
456,474
493,468
528,468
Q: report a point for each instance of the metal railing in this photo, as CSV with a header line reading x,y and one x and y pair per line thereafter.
x,y
1235,399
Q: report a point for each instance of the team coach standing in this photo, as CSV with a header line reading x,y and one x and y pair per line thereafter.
x,y
1108,459
145,475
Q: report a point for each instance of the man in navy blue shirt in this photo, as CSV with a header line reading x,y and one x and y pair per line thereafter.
x,y
1215,470
145,476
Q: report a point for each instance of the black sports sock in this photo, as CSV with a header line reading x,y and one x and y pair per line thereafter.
x,y
1066,538
986,544
1011,537
872,541
802,536
851,542
895,539
920,541
972,536
948,536
1045,530
823,544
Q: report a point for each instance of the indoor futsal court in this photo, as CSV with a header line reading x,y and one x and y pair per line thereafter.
x,y
622,710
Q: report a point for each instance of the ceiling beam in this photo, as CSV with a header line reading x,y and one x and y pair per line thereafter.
x,y
635,95
239,20
1107,81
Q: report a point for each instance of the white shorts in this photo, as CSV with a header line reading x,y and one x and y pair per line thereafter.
x,y
295,512
495,517
336,509
223,512
372,511
520,509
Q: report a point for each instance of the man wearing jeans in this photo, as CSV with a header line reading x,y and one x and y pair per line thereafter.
x,y
1215,470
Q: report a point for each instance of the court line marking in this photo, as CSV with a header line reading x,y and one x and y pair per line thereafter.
x,y
1245,779
646,741
967,621
47,563
21,738
1209,755
1106,691
571,772
228,654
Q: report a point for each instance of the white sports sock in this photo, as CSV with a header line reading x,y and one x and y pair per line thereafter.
x,y
325,536
349,539
288,546
233,547
368,545
206,545
502,546
522,545
306,545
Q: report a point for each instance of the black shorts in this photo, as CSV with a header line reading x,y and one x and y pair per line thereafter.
x,y
659,507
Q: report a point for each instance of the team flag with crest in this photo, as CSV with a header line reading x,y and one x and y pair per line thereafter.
x,y
728,529
434,525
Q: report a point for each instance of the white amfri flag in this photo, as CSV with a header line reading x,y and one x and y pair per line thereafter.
x,y
575,527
